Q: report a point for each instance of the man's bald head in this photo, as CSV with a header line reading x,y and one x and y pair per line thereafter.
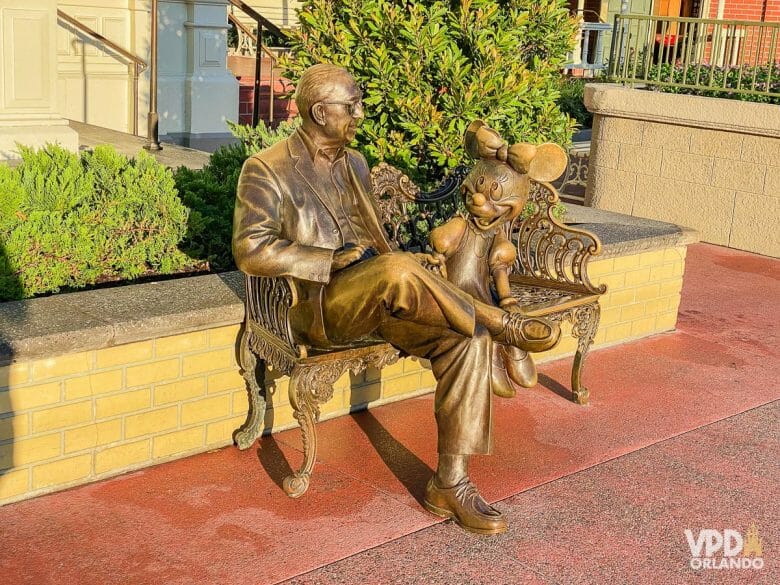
x,y
317,84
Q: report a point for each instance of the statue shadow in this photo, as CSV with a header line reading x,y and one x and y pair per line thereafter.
x,y
410,470
406,466
273,460
269,453
555,386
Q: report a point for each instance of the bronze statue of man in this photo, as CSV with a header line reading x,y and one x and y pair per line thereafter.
x,y
303,211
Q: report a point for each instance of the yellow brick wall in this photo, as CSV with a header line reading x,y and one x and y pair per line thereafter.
x,y
642,298
80,417
76,418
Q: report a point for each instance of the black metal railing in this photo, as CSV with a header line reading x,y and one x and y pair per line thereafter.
x,y
709,55
262,23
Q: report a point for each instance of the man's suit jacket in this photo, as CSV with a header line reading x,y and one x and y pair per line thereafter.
x,y
283,226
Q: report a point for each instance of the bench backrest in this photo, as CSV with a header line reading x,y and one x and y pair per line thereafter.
x,y
549,251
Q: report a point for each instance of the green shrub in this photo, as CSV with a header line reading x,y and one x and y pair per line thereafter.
x,y
429,68
257,138
70,221
210,192
767,79
572,101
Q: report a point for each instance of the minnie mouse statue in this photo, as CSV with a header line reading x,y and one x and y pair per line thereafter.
x,y
477,250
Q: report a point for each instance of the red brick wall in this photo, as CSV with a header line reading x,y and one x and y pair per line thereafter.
x,y
761,10
753,48
243,68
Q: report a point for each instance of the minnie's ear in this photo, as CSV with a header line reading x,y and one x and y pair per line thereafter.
x,y
548,164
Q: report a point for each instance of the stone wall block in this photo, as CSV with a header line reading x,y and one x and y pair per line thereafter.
x,y
755,224
614,189
667,136
762,150
682,166
621,130
640,159
772,182
596,128
739,176
716,143
706,209
604,154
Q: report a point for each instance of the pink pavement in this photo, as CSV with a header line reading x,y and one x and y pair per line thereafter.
x,y
681,433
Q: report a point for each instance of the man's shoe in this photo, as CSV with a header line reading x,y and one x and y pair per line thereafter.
x,y
529,333
463,504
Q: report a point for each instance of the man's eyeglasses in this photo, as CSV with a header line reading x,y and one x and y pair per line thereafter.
x,y
354,108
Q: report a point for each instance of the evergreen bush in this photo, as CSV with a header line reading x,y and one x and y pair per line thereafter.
x,y
572,100
257,138
68,221
430,68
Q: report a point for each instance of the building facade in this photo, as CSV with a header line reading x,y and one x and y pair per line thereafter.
x,y
88,60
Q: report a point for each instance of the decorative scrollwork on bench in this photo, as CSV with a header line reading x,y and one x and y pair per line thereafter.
x,y
548,250
268,303
409,214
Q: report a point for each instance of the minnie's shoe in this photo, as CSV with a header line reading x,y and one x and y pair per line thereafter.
x,y
520,367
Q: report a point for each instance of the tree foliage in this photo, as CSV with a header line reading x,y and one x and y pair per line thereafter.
x,y
429,68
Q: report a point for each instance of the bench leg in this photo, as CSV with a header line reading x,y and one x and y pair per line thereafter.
x,y
585,323
312,385
247,434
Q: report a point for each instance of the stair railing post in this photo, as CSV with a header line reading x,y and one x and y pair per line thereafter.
x,y
153,120
258,73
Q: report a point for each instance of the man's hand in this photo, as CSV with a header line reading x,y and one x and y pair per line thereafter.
x,y
433,262
346,256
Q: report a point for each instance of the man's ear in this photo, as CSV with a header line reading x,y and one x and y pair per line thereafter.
x,y
318,114
548,164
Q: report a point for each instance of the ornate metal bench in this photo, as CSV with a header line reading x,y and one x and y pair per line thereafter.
x,y
549,278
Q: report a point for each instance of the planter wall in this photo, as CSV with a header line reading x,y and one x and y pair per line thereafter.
x,y
98,383
706,163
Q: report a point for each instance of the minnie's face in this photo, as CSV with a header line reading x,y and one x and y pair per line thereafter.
x,y
494,193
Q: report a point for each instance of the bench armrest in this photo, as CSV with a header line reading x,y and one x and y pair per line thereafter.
x,y
268,304
548,251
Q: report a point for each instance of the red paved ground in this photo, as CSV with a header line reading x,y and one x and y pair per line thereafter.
x,y
681,433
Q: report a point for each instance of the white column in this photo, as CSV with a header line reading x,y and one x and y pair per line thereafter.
x,y
28,78
197,92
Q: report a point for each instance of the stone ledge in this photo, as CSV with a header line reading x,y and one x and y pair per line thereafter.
x,y
622,235
609,99
83,321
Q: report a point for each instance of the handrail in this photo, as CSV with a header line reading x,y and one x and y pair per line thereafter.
x,y
261,21
259,18
140,64
701,54
251,35
579,57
